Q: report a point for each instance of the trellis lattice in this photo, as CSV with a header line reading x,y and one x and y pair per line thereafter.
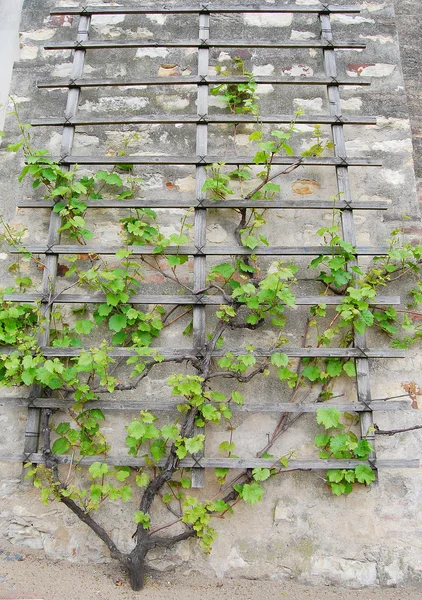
x,y
52,249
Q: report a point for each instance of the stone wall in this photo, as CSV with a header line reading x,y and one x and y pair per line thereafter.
x,y
299,530
409,26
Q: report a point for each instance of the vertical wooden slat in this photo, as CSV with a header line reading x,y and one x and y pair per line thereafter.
x,y
348,225
199,264
51,260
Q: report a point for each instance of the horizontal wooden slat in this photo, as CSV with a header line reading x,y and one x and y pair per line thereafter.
x,y
138,43
168,406
228,463
208,160
189,353
194,79
207,250
194,119
179,299
304,203
145,10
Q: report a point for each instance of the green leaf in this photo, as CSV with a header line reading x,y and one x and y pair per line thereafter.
x,y
255,136
104,310
227,446
339,443
279,359
62,428
260,474
28,376
336,263
118,339
251,242
117,322
349,476
158,449
78,188
123,473
136,429
195,444
14,147
115,299
109,178
60,446
176,260
186,483
334,368
143,518
364,474
60,191
271,187
126,493
221,473
142,480
98,469
311,372
170,432
251,492
84,327
181,452
321,440
335,475
338,488
363,449
237,397
328,417
350,368
210,413
220,506
97,414
225,270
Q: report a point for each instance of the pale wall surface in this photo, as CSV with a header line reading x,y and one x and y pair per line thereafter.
x,y
409,25
10,13
300,530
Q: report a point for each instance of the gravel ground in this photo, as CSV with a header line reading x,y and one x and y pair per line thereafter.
x,y
35,578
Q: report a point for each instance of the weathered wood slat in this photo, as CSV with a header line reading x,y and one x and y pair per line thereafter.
x,y
189,353
199,251
50,271
228,463
168,406
194,79
200,223
194,119
208,160
114,44
208,250
348,225
218,204
147,10
184,299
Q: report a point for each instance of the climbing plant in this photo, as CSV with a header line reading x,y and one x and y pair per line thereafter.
x,y
256,296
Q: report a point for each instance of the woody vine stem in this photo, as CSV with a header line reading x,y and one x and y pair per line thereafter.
x,y
255,296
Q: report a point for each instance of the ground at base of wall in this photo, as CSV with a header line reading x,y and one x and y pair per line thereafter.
x,y
31,578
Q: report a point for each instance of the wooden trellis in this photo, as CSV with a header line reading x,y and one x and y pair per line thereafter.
x,y
332,81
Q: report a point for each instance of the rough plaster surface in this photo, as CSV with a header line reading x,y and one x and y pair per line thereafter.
x,y
9,48
409,26
299,530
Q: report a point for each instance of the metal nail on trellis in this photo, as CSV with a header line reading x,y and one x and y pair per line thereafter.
x,y
52,249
